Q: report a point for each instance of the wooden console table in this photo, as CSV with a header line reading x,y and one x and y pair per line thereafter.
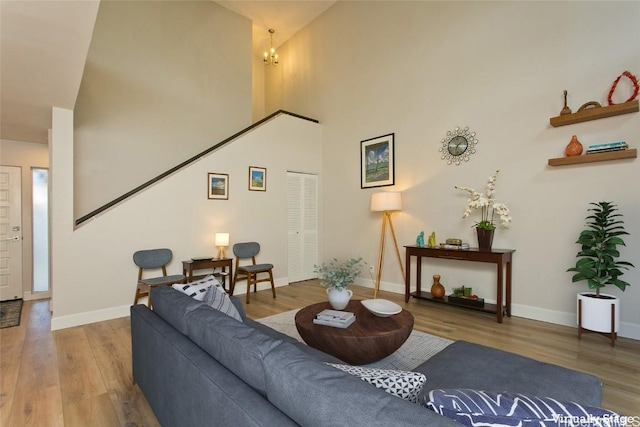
x,y
189,266
500,257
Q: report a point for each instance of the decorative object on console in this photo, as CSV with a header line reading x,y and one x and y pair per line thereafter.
x,y
257,178
634,81
386,202
377,162
574,148
458,145
598,264
218,186
420,240
432,240
489,207
222,241
437,289
337,277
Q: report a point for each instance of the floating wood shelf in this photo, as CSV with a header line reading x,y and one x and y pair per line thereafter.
x,y
598,157
594,114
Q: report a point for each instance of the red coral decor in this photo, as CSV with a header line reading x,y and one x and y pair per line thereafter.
x,y
633,79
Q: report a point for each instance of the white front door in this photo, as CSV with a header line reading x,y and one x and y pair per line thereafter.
x,y
302,198
10,233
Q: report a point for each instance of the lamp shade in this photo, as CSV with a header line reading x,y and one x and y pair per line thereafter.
x,y
386,201
222,239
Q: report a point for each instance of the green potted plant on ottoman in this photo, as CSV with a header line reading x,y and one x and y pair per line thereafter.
x,y
337,277
598,264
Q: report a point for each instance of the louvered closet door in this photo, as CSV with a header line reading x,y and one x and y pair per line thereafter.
x,y
302,198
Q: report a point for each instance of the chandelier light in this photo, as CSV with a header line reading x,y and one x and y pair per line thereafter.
x,y
271,57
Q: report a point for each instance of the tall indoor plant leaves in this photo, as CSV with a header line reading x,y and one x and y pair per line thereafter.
x,y
597,262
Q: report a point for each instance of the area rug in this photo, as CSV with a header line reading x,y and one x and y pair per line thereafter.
x,y
10,313
419,347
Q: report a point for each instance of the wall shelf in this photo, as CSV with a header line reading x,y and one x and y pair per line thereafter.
x,y
598,157
595,114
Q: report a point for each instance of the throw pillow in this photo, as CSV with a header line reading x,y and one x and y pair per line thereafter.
x,y
197,289
473,407
403,384
217,298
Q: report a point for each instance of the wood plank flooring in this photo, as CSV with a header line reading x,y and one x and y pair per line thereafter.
x,y
82,376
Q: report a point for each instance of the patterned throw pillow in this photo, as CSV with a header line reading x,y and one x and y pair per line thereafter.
x,y
403,384
197,289
217,298
473,408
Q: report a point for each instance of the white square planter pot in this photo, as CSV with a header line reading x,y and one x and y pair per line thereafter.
x,y
597,314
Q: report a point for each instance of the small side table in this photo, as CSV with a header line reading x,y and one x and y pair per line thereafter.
x,y
189,266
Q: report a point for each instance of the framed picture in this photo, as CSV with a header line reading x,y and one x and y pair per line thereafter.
x,y
218,186
257,178
377,162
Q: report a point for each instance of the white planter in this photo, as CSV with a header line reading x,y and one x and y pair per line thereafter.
x,y
596,312
339,298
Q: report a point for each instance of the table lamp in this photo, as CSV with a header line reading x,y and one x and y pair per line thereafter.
x,y
222,241
386,202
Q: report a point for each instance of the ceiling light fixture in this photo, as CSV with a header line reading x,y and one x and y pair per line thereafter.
x,y
271,57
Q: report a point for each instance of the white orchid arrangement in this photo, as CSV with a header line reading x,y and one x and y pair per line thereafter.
x,y
488,205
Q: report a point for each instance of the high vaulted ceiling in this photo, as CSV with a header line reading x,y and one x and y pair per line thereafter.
x,y
44,45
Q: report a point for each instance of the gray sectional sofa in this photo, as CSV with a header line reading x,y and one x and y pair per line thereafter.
x,y
198,367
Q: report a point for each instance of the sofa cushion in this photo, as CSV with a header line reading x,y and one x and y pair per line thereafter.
x,y
197,289
217,298
473,407
403,384
313,393
240,348
173,306
472,366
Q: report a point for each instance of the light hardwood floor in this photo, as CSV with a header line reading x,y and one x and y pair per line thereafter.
x,y
82,376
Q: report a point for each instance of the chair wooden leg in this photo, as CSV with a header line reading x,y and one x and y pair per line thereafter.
x,y
273,286
249,278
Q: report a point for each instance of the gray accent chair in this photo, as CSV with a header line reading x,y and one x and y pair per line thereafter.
x,y
250,272
153,259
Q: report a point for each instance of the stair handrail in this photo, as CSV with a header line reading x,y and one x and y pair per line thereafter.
x,y
187,162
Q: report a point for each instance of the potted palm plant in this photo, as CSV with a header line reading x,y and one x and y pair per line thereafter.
x,y
597,263
337,277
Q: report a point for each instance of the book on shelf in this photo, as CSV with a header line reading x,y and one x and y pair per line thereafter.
x,y
333,323
608,145
335,315
606,150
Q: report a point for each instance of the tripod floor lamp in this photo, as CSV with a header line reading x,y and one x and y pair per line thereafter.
x,y
386,202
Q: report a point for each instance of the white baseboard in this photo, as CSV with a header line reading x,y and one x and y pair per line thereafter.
x,y
78,319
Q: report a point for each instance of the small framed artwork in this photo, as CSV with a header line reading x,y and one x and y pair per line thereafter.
x,y
257,178
218,186
377,162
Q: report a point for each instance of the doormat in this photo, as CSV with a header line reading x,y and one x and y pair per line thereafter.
x,y
419,347
10,313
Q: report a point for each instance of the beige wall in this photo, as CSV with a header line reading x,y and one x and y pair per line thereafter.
x,y
420,69
163,81
26,155
93,273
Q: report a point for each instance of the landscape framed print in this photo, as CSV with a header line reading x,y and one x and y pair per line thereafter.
x,y
377,162
257,178
218,186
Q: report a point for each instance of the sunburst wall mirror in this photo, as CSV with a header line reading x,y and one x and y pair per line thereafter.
x,y
458,145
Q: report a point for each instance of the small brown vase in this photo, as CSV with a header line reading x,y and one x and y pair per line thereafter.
x,y
574,148
437,290
485,239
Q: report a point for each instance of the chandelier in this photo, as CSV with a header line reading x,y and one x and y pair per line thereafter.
x,y
271,57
